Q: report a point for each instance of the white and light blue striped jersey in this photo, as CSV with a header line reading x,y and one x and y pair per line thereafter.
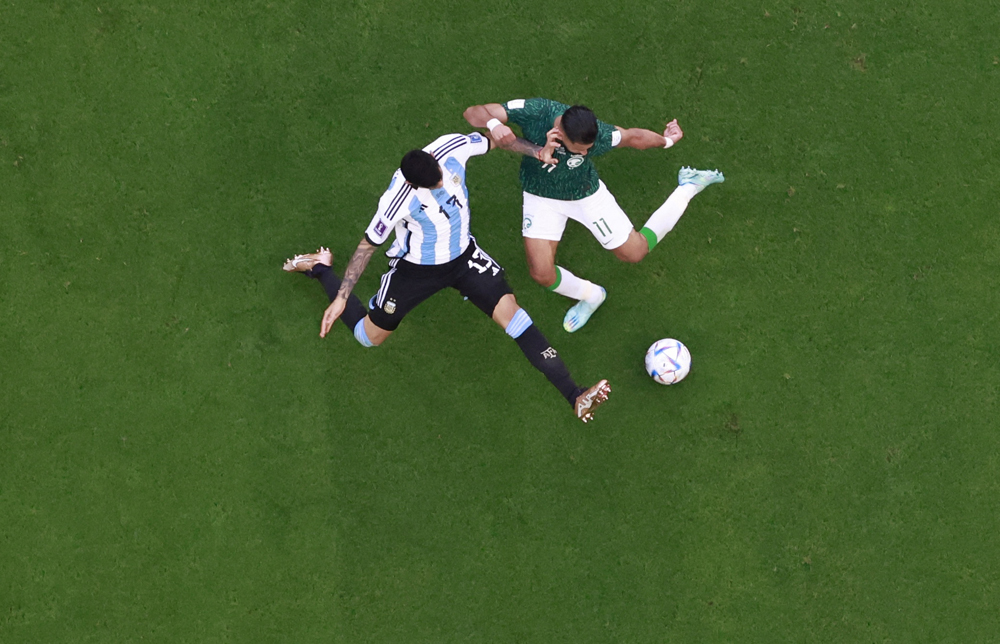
x,y
431,225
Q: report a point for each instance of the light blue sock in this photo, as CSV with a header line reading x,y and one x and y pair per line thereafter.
x,y
360,335
518,324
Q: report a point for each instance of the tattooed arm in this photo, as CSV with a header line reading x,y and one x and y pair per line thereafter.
x,y
542,153
503,137
355,267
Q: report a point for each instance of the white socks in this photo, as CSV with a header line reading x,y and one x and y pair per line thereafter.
x,y
574,287
663,220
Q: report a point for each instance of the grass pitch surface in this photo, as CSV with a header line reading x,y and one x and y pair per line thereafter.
x,y
183,459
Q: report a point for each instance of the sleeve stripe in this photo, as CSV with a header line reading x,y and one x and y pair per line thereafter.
x,y
449,146
398,201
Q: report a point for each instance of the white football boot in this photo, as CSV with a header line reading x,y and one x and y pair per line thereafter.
x,y
701,178
579,314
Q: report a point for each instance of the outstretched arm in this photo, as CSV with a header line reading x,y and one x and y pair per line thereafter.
x,y
484,115
494,114
641,139
479,115
355,267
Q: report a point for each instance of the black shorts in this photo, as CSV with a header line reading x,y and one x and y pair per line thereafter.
x,y
474,274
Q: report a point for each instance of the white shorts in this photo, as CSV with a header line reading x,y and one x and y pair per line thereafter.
x,y
600,213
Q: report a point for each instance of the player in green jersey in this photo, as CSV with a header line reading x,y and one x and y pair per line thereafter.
x,y
569,188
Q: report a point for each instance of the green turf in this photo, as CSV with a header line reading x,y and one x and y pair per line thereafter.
x,y
182,459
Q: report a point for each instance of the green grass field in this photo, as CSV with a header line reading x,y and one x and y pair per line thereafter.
x,y
183,459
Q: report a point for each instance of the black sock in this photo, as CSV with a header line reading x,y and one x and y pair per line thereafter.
x,y
543,357
355,310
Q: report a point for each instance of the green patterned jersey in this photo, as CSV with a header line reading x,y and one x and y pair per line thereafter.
x,y
575,176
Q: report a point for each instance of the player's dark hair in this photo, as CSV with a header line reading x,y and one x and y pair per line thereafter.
x,y
579,125
420,168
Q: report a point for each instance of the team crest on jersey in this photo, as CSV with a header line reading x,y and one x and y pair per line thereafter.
x,y
380,228
574,161
390,307
455,179
526,223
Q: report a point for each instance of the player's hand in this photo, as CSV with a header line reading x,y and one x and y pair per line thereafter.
x,y
673,131
553,139
331,314
502,135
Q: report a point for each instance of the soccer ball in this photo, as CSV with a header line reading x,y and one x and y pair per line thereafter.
x,y
668,361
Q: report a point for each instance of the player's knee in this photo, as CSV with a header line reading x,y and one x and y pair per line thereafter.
x,y
505,309
634,258
545,275
370,335
361,335
633,250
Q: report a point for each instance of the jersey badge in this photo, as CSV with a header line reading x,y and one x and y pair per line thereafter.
x,y
475,138
390,307
574,161
380,228
455,179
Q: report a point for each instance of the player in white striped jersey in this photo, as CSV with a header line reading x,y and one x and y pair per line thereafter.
x,y
427,207
431,226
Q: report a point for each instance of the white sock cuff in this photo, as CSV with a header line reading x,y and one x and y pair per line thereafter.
x,y
574,287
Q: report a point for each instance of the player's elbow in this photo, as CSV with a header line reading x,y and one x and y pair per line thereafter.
x,y
469,114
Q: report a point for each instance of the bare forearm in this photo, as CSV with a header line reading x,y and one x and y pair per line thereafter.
x,y
479,115
641,139
355,267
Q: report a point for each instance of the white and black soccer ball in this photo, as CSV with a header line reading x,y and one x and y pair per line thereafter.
x,y
668,361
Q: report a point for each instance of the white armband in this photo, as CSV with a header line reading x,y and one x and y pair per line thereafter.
x,y
669,142
493,124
